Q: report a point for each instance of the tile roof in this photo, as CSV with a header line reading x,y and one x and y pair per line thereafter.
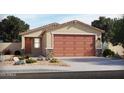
x,y
54,26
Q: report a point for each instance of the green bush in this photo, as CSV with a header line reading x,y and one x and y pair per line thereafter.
x,y
17,52
108,53
30,61
53,60
26,57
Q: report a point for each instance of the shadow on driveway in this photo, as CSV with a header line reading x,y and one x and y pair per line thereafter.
x,y
96,61
85,59
111,62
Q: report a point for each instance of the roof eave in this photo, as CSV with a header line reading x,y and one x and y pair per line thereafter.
x,y
61,25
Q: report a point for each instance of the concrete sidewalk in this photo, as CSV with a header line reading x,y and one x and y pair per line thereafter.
x,y
32,69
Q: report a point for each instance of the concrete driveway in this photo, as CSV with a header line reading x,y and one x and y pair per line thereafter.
x,y
75,64
93,63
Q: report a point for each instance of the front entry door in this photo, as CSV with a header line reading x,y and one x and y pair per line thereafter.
x,y
28,45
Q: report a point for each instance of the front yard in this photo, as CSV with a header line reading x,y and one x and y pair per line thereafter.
x,y
66,64
40,63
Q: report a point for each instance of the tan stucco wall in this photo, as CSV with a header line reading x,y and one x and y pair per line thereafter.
x,y
11,46
72,30
118,49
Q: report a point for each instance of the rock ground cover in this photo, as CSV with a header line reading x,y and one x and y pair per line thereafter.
x,y
11,63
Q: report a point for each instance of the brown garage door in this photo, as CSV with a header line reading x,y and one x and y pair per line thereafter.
x,y
74,45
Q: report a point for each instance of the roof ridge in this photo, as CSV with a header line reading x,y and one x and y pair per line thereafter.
x,y
44,26
54,25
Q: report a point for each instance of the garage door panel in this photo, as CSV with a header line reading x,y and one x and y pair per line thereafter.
x,y
88,52
68,49
69,37
68,40
58,54
79,43
89,47
74,45
89,42
79,39
79,46
58,51
69,43
68,54
59,46
80,49
67,46
58,42
79,54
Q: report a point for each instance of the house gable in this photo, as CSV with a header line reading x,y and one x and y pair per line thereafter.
x,y
34,34
55,26
75,29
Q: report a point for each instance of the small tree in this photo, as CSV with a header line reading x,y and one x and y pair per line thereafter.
x,y
114,29
10,28
105,24
118,29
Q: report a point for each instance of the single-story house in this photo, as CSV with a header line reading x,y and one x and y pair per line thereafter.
x,y
73,38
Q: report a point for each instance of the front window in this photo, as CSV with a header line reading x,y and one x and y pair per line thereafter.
x,y
36,42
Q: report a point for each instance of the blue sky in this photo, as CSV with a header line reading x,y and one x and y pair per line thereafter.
x,y
37,20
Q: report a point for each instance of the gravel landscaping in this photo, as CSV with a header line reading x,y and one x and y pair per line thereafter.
x,y
11,63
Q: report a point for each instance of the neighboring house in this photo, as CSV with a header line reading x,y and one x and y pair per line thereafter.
x,y
72,38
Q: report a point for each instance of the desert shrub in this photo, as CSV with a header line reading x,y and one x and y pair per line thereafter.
x,y
40,58
29,61
26,57
21,57
17,52
108,53
19,63
53,60
7,52
47,58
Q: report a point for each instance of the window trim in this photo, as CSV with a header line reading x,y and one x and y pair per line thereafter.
x,y
36,42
